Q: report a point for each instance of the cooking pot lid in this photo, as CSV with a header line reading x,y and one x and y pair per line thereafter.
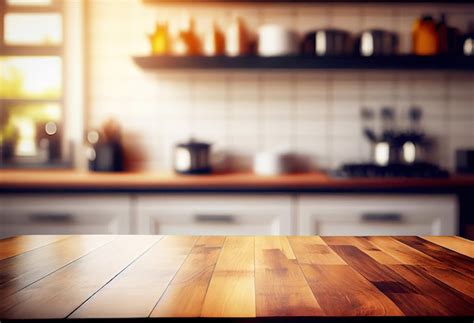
x,y
193,144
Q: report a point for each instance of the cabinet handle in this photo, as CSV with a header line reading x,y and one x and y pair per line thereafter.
x,y
382,217
211,218
52,218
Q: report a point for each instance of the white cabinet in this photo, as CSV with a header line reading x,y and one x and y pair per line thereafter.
x,y
64,214
214,214
377,215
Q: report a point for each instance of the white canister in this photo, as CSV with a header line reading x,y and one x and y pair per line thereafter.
x,y
271,163
275,40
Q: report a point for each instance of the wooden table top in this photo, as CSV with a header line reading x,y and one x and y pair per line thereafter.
x,y
59,179
106,276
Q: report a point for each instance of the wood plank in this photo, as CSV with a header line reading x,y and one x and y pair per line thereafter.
x,y
59,294
231,291
281,288
136,290
403,293
14,246
313,250
24,269
365,246
453,278
342,291
185,295
458,244
454,302
464,264
404,253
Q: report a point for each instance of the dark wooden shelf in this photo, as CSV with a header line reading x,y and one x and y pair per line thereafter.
x,y
406,62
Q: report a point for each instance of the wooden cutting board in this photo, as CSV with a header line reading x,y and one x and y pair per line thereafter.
x,y
45,277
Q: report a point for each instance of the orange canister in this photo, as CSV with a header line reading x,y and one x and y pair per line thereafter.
x,y
425,36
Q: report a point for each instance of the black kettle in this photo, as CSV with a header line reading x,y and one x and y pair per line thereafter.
x,y
192,157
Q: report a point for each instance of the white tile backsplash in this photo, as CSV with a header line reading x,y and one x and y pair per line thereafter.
x,y
311,113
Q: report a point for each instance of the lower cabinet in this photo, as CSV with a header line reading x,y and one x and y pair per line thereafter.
x,y
377,215
64,214
214,214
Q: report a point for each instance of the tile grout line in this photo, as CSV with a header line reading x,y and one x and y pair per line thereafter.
x,y
115,276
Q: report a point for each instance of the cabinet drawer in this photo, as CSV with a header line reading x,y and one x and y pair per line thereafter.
x,y
377,215
58,214
214,215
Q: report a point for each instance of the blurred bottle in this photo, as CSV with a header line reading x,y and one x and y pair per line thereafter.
x,y
425,36
237,41
159,40
186,43
214,42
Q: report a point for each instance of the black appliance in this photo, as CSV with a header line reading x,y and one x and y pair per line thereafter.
x,y
417,170
465,161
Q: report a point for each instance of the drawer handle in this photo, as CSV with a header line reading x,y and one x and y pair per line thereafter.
x,y
51,218
382,217
210,218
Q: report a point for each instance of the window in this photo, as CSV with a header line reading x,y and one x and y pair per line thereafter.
x,y
31,82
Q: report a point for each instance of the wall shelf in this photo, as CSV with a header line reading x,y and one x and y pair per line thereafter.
x,y
406,62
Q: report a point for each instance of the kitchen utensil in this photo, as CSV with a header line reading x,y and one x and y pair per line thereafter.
x,y
468,42
237,41
275,40
186,43
465,161
272,163
159,40
425,36
377,42
192,157
213,44
327,42
106,152
367,118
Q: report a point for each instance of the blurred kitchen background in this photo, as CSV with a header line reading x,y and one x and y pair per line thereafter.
x,y
236,117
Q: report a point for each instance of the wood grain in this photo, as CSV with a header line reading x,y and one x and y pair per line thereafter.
x,y
404,294
342,291
119,277
185,295
25,269
365,246
231,291
458,244
464,264
405,254
128,294
59,294
281,288
13,246
313,250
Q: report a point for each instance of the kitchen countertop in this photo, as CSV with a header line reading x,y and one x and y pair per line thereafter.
x,y
44,277
73,180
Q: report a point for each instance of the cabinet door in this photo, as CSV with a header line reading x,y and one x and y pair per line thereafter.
x,y
214,215
377,215
64,214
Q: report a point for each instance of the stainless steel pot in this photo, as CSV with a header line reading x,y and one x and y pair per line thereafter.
x,y
327,42
377,42
192,157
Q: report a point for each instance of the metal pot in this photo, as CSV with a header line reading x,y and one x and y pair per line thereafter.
x,y
192,157
327,42
377,42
